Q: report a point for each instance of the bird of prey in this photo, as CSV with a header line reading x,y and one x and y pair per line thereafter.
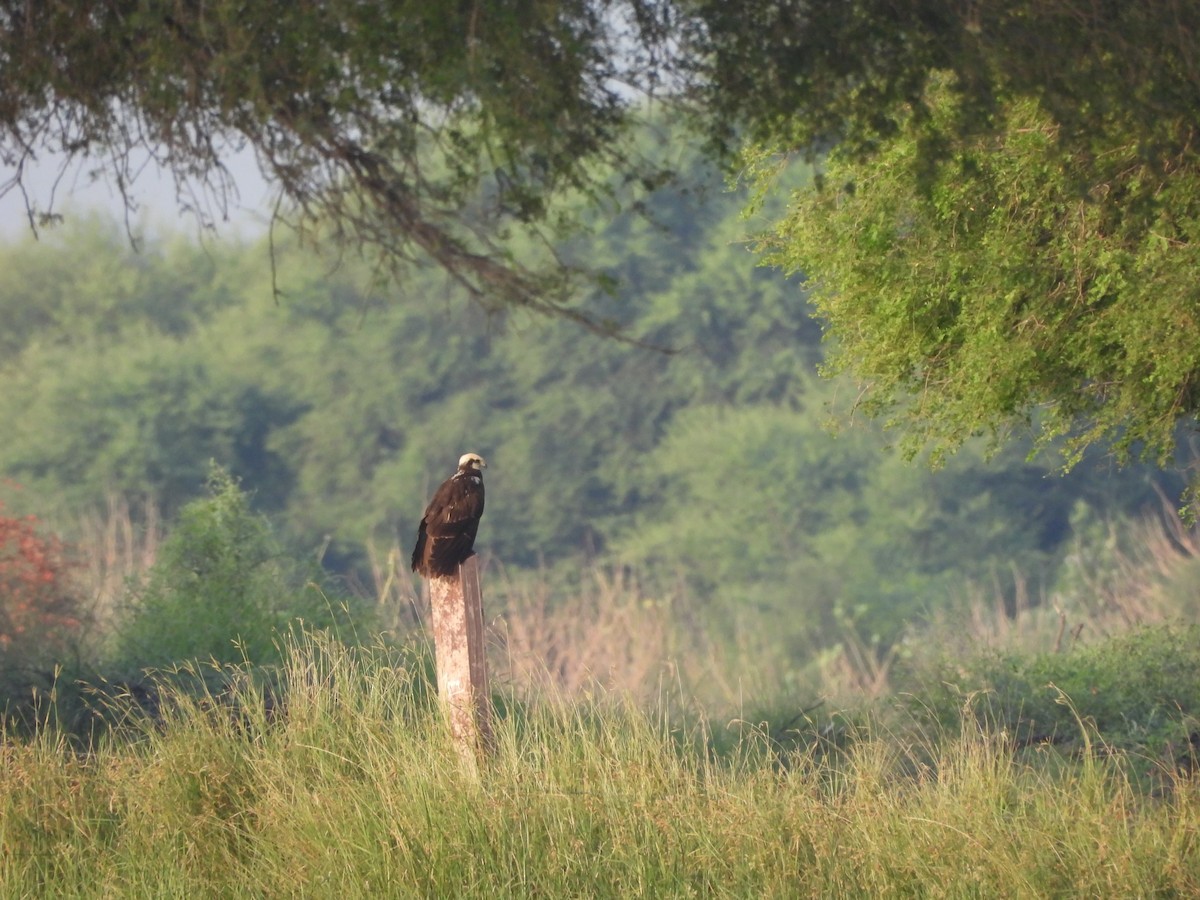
x,y
446,535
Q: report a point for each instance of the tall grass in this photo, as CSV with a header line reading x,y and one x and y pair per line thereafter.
x,y
609,630
604,632
1145,574
351,788
115,547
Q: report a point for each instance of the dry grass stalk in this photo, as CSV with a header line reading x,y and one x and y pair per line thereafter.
x,y
116,546
1150,582
1144,579
856,669
401,610
608,634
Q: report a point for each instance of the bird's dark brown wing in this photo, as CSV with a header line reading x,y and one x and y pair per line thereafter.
x,y
418,553
446,535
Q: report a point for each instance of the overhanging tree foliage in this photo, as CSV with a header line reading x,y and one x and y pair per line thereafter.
x,y
413,130
1006,233
992,292
1018,238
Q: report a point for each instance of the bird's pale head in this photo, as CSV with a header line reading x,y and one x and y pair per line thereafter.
x,y
471,461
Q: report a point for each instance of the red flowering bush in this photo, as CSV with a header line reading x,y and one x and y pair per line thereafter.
x,y
39,610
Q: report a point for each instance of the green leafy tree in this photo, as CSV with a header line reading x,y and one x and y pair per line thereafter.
x,y
83,285
342,409
222,589
762,510
1004,234
139,418
989,293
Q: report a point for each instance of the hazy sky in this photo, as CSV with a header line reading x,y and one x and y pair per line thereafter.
x,y
153,190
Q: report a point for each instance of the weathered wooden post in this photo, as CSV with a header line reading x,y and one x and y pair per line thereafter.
x,y
457,602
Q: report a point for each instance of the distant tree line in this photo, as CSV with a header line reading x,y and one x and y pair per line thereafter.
x,y
341,407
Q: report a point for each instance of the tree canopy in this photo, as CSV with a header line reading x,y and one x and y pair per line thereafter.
x,y
1005,232
411,130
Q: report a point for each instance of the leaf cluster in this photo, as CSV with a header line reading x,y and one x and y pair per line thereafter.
x,y
988,292
807,74
43,618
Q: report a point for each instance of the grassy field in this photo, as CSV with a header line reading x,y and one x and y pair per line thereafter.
x,y
351,788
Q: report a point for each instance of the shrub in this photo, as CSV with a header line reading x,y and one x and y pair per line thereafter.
x,y
222,589
1139,690
40,611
